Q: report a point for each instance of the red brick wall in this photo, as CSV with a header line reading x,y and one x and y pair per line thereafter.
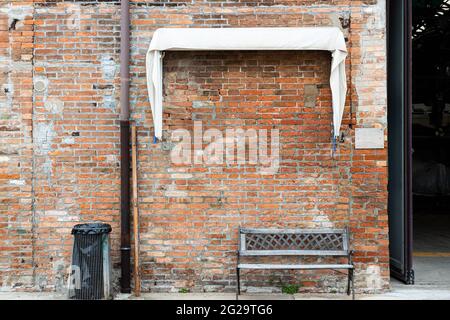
x,y
16,221
76,132
190,214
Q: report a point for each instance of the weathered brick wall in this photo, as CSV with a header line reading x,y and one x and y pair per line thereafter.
x,y
16,219
191,218
190,213
76,133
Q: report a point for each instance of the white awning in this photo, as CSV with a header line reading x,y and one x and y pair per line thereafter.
x,y
214,39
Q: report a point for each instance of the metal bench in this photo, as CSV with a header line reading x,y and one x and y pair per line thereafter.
x,y
296,242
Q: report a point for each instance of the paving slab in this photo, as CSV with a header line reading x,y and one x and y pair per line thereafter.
x,y
397,292
188,296
32,296
303,296
265,297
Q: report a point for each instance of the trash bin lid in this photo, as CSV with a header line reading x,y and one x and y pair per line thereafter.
x,y
91,228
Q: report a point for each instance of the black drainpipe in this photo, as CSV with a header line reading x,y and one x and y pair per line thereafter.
x,y
125,146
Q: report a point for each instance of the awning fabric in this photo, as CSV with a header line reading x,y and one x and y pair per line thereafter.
x,y
214,39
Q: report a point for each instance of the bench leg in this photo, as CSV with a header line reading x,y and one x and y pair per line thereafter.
x,y
353,284
238,281
349,282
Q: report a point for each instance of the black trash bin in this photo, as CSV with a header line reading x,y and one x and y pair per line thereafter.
x,y
89,277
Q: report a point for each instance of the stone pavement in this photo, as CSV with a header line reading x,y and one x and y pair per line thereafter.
x,y
397,292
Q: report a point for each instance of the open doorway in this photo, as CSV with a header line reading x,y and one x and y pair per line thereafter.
x,y
419,140
431,140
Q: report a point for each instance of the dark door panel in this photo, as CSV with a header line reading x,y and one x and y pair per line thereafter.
x,y
399,122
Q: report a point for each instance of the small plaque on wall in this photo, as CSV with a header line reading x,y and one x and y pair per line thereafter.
x,y
369,138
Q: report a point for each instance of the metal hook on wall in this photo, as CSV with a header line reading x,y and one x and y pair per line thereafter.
x,y
342,138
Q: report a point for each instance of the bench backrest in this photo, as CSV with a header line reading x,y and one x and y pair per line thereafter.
x,y
293,242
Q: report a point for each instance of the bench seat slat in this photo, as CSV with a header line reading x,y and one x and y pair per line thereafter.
x,y
296,266
249,253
